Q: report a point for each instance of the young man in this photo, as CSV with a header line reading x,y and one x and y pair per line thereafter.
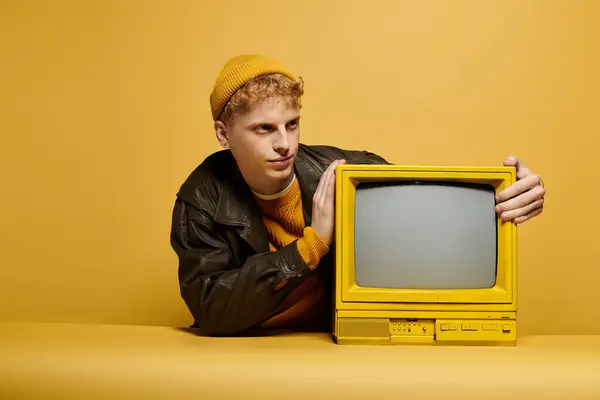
x,y
253,224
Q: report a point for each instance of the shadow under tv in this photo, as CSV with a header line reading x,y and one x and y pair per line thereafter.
x,y
422,256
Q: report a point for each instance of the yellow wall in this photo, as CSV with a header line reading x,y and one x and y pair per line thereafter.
x,y
104,112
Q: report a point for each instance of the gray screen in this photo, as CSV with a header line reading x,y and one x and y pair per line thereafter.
x,y
425,236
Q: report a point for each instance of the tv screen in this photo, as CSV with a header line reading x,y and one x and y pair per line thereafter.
x,y
425,235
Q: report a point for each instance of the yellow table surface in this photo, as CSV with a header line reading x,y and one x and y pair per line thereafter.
x,y
103,361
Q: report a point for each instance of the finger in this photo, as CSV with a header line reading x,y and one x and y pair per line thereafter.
x,y
330,188
511,161
532,214
519,212
327,185
517,188
521,200
319,189
318,197
522,170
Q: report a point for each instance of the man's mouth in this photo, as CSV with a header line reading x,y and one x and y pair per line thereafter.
x,y
281,159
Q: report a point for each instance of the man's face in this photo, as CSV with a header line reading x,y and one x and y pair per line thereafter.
x,y
264,142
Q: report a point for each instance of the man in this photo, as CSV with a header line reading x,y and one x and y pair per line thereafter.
x,y
253,224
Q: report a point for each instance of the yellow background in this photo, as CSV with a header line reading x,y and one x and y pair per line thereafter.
x,y
104,111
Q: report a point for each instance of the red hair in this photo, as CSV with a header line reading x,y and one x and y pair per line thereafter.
x,y
262,88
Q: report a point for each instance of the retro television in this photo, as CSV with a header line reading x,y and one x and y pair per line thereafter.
x,y
422,257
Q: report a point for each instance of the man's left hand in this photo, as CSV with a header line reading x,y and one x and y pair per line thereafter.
x,y
524,199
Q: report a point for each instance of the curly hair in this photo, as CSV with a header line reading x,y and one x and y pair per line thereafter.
x,y
262,88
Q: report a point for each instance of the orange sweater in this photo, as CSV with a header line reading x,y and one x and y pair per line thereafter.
x,y
285,223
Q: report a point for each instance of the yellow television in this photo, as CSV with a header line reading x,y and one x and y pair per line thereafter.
x,y
422,257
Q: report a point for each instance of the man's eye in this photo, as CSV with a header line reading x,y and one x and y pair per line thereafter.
x,y
293,124
263,128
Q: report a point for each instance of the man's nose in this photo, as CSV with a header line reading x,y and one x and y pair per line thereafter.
x,y
281,143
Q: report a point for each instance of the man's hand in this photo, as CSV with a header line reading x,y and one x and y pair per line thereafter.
x,y
323,210
524,199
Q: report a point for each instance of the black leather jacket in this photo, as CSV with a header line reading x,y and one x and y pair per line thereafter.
x,y
227,273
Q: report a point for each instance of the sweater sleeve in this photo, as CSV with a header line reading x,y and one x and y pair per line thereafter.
x,y
312,248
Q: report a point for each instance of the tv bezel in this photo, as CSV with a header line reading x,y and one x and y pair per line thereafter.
x,y
349,296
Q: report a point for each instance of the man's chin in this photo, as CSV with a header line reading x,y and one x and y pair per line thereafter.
x,y
279,173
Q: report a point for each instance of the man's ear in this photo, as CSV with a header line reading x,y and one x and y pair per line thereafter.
x,y
221,133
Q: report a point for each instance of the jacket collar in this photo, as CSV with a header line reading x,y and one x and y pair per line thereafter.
x,y
236,206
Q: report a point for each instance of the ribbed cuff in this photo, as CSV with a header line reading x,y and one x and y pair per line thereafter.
x,y
312,248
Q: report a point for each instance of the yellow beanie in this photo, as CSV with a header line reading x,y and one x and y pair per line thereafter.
x,y
236,73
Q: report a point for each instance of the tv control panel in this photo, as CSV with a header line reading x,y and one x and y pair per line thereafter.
x,y
411,331
427,331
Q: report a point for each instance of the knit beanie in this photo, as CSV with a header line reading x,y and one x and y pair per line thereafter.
x,y
236,73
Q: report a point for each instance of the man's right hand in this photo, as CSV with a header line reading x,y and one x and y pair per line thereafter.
x,y
323,211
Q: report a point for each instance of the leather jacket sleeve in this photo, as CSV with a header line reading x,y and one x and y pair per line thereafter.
x,y
351,156
364,157
226,295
